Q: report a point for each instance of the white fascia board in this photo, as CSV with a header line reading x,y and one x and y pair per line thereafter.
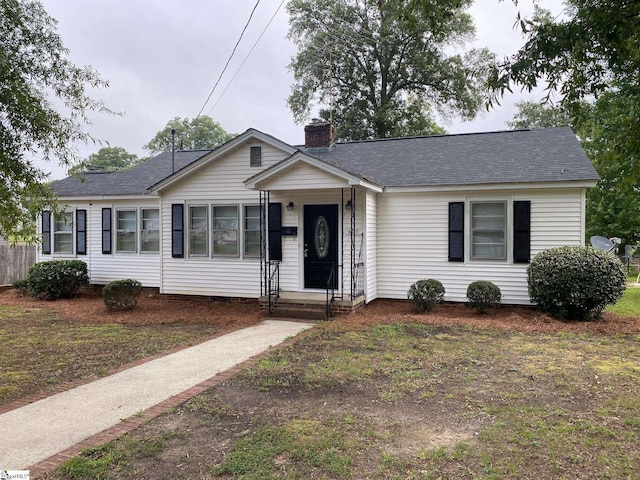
x,y
223,149
491,186
87,198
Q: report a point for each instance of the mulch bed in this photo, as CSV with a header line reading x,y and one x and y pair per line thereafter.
x,y
158,309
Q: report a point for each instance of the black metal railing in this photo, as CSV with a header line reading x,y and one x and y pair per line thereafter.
x,y
358,280
273,284
331,292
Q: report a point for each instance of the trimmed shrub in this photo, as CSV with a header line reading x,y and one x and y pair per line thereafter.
x,y
483,295
426,294
575,282
57,279
121,294
21,287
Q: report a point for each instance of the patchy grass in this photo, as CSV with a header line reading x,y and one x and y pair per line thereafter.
x,y
629,304
41,350
407,401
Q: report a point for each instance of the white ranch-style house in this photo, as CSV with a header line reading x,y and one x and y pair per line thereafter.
x,y
355,221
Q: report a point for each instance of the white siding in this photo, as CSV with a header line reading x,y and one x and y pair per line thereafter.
x,y
219,183
413,241
302,176
291,268
371,264
144,267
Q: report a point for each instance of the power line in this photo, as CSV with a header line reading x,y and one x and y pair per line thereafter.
x,y
245,58
229,59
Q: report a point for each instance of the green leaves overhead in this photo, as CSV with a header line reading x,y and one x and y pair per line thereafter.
x,y
378,64
34,69
200,133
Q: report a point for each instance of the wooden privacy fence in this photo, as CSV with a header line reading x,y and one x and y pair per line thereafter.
x,y
15,262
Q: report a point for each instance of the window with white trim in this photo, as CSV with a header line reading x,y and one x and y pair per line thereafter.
x,y
150,230
198,231
225,230
488,230
252,230
126,230
63,233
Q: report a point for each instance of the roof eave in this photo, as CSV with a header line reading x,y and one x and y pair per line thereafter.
x,y
587,183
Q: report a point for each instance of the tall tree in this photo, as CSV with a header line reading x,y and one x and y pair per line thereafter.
x,y
383,67
613,205
201,132
108,159
35,68
532,115
592,50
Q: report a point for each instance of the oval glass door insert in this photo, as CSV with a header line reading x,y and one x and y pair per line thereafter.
x,y
321,236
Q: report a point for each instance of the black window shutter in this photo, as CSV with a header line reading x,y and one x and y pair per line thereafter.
x,y
81,232
177,230
46,232
456,231
106,231
521,231
275,233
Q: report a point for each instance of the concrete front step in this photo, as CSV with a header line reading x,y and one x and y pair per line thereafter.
x,y
306,312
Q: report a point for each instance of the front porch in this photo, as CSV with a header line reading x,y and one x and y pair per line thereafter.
x,y
309,305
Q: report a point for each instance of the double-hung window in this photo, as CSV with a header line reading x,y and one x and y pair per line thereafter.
x,y
198,231
488,230
252,231
225,230
150,230
63,233
126,227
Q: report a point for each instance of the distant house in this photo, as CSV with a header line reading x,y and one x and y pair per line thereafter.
x,y
365,219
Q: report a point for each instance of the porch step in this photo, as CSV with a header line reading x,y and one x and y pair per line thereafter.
x,y
300,311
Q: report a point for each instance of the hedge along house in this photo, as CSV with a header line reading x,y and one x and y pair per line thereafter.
x,y
353,221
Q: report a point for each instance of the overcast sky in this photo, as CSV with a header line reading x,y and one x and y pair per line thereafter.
x,y
162,58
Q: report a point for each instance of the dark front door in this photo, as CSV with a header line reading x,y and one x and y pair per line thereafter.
x,y
320,245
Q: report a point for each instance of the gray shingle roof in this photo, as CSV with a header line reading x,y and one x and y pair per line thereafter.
x,y
546,155
135,181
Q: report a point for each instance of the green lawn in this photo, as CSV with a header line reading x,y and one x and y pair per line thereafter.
x,y
401,402
40,350
629,304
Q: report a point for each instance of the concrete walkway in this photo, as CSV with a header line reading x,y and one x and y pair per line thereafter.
x,y
41,429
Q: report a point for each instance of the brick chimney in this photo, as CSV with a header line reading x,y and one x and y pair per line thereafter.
x,y
318,134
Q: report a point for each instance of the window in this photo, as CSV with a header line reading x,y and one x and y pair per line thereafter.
x,y
150,230
255,159
126,226
225,230
252,231
198,231
488,230
63,233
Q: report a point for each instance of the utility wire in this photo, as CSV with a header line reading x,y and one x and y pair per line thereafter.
x,y
228,60
245,58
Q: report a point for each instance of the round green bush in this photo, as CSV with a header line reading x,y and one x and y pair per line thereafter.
x,y
483,295
121,294
426,294
57,279
575,283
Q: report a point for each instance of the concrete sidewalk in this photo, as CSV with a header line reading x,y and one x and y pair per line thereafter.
x,y
41,429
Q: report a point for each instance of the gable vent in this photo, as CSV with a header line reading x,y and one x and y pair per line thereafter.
x,y
256,157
